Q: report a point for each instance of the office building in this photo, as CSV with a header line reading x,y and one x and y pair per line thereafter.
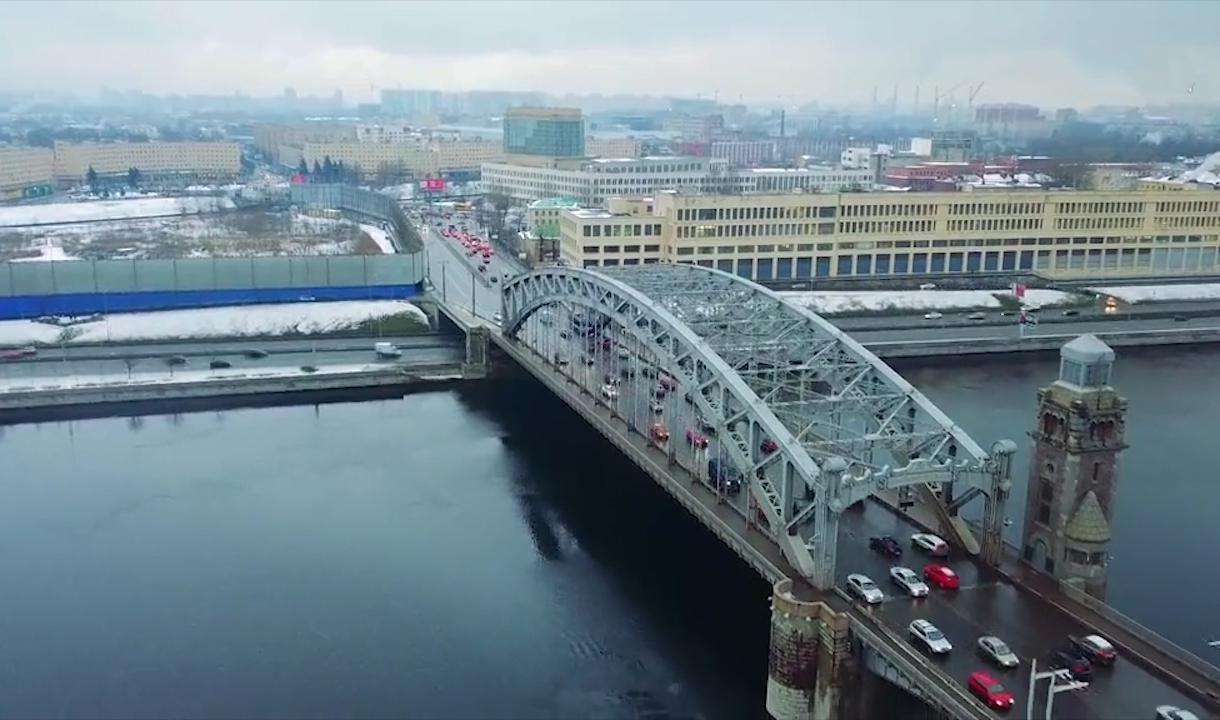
x,y
626,232
416,158
1060,234
743,152
696,127
203,161
593,181
542,216
269,138
26,172
550,132
614,147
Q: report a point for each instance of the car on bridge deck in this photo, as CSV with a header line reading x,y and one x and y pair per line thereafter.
x,y
695,439
724,476
1072,661
930,544
609,392
906,579
768,446
930,636
1171,712
863,587
885,545
942,576
1095,648
658,434
997,651
657,407
989,690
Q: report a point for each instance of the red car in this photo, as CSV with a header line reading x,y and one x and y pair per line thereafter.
x,y
942,576
769,446
696,438
992,693
658,434
19,353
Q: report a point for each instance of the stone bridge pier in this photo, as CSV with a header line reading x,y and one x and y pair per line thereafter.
x,y
809,662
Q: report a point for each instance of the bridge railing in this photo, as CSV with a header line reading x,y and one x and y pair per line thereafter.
x,y
952,697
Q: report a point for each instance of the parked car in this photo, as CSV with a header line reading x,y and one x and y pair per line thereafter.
x,y
906,579
658,434
930,544
995,650
886,545
1095,648
864,588
989,690
933,315
929,636
695,439
1073,662
942,576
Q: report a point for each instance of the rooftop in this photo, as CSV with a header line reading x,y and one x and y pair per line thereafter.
x,y
559,203
591,213
1088,523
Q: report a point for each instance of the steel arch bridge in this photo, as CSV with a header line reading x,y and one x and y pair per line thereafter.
x,y
808,418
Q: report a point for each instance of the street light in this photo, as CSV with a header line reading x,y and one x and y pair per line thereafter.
x,y
1066,684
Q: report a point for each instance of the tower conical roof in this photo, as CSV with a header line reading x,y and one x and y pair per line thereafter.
x,y
1088,523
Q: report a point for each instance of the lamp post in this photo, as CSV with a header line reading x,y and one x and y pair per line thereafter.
x,y
1065,683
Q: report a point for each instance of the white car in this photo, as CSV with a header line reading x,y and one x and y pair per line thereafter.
x,y
1169,712
930,544
927,633
908,580
609,392
933,315
996,651
928,286
865,588
497,318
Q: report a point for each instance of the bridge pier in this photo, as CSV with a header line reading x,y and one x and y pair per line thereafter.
x,y
808,662
478,353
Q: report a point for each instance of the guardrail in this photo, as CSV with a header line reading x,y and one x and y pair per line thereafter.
x,y
954,698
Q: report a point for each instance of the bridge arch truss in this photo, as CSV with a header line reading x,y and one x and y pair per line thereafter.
x,y
811,420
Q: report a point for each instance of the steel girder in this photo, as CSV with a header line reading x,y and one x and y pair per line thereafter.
x,y
759,366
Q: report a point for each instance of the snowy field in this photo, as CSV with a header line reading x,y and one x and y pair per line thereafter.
x,y
222,322
1151,293
19,215
830,302
243,233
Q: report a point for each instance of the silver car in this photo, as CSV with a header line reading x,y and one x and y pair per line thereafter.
x,y
994,649
909,580
864,588
929,636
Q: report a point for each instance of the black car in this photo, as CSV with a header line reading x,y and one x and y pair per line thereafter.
x,y
1073,662
219,364
886,545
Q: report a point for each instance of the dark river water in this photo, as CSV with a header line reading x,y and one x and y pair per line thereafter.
x,y
472,552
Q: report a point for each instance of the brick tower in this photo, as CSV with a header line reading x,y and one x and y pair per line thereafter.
x,y
1073,472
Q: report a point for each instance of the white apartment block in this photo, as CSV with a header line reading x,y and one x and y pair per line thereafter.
x,y
743,152
417,158
592,181
619,147
203,160
25,171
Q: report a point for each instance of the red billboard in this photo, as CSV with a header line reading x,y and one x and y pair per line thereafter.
x,y
432,185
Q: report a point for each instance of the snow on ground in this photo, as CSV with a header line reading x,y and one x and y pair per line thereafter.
x,y
830,302
107,210
232,321
380,237
50,250
168,375
1146,293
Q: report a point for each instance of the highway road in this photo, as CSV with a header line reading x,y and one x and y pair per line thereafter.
x,y
938,330
151,361
454,273
987,603
1200,309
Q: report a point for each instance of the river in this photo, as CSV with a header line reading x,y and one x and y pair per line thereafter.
x,y
447,555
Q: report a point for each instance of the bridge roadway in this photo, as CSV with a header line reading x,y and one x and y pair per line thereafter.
x,y
989,602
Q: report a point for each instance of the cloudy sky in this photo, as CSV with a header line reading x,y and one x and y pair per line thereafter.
x,y
1054,53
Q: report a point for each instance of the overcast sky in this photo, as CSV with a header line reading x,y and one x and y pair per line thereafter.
x,y
1053,54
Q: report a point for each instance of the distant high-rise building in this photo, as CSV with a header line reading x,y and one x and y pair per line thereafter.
x,y
553,132
290,94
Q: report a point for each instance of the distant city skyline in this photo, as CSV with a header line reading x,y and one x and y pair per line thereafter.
x,y
1047,54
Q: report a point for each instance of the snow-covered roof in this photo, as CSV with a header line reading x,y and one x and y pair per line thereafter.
x,y
1087,349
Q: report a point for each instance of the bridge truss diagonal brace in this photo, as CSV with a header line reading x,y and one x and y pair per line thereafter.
x,y
685,356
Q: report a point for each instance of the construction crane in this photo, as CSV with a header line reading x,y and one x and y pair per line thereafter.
x,y
970,101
